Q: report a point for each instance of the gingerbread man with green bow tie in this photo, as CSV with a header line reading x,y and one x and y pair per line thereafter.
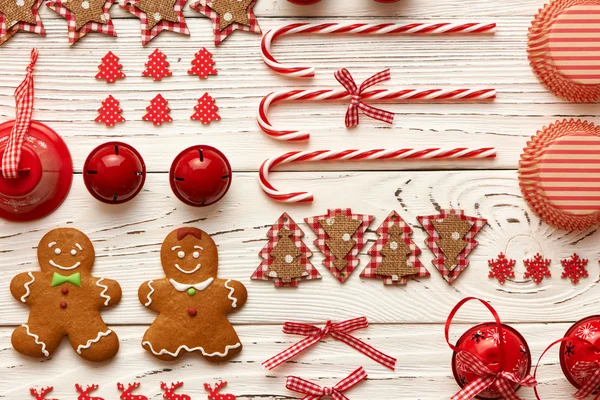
x,y
65,300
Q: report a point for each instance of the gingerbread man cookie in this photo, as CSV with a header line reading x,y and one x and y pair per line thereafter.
x,y
65,299
192,303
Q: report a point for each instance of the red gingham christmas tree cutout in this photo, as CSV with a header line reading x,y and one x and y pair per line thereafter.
x,y
502,268
158,111
203,64
84,394
574,268
157,66
441,260
343,242
110,69
394,235
298,263
206,110
41,394
110,112
537,268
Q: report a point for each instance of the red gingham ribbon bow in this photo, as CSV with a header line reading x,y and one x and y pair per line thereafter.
x,y
345,78
24,110
339,331
316,392
501,381
591,370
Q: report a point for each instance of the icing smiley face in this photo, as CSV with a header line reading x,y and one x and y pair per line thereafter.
x,y
66,250
189,255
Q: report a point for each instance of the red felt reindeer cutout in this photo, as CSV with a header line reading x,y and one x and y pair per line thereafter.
x,y
41,395
85,394
126,393
214,393
170,391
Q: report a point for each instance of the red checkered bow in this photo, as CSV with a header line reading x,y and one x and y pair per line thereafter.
x,y
24,110
345,78
591,370
338,331
316,392
501,381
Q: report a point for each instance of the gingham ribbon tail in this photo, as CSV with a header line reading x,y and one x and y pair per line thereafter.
x,y
24,111
592,371
338,331
316,392
501,381
345,78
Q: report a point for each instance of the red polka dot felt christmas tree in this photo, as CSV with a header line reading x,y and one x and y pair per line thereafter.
x,y
158,111
157,66
110,69
110,112
206,110
203,64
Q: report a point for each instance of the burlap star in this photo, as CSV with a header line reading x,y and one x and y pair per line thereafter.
x,y
86,11
158,10
231,11
84,16
16,11
158,15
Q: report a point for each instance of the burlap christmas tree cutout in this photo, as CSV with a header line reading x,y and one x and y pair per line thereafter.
x,y
340,230
395,257
451,231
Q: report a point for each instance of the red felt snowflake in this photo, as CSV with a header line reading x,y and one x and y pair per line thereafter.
x,y
206,110
110,112
203,64
158,111
574,268
110,69
502,268
157,66
537,268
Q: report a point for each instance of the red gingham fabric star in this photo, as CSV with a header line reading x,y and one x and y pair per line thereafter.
x,y
149,34
316,392
285,222
203,7
431,242
393,219
106,28
359,236
6,33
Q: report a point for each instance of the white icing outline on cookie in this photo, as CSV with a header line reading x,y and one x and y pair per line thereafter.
x,y
77,264
92,341
182,287
149,294
188,272
184,347
26,286
230,295
103,294
37,340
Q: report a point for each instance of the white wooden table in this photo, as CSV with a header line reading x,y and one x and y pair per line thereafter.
x,y
406,322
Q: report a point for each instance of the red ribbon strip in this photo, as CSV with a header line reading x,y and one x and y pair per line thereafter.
x,y
501,381
345,78
316,392
592,370
338,331
24,110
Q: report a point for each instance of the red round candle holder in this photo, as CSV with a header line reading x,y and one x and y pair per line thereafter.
x,y
200,176
45,174
114,172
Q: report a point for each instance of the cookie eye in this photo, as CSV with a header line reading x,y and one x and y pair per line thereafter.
x,y
196,254
181,254
73,252
57,251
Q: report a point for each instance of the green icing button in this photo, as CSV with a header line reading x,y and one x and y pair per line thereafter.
x,y
191,291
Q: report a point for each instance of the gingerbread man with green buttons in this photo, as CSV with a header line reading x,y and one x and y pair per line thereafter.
x,y
65,300
191,301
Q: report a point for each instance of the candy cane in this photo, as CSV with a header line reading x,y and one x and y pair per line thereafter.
x,y
399,95
359,29
345,155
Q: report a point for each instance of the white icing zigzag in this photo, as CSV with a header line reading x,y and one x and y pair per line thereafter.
x,y
103,294
149,294
230,295
92,341
37,340
215,354
24,297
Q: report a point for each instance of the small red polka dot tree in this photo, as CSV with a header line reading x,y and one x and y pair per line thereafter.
x,y
206,110
110,69
157,66
110,112
203,64
158,111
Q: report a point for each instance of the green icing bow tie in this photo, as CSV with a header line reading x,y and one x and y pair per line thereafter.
x,y
58,279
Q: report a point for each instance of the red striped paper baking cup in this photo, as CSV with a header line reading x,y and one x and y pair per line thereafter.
x,y
564,48
559,174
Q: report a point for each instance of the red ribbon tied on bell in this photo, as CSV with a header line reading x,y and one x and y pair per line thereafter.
x,y
24,111
589,372
502,381
338,331
345,78
316,392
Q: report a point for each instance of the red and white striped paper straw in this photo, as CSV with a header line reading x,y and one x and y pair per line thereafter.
x,y
359,29
360,155
398,95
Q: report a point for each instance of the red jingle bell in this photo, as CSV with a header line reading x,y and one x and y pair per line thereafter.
x,y
114,172
579,354
200,176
